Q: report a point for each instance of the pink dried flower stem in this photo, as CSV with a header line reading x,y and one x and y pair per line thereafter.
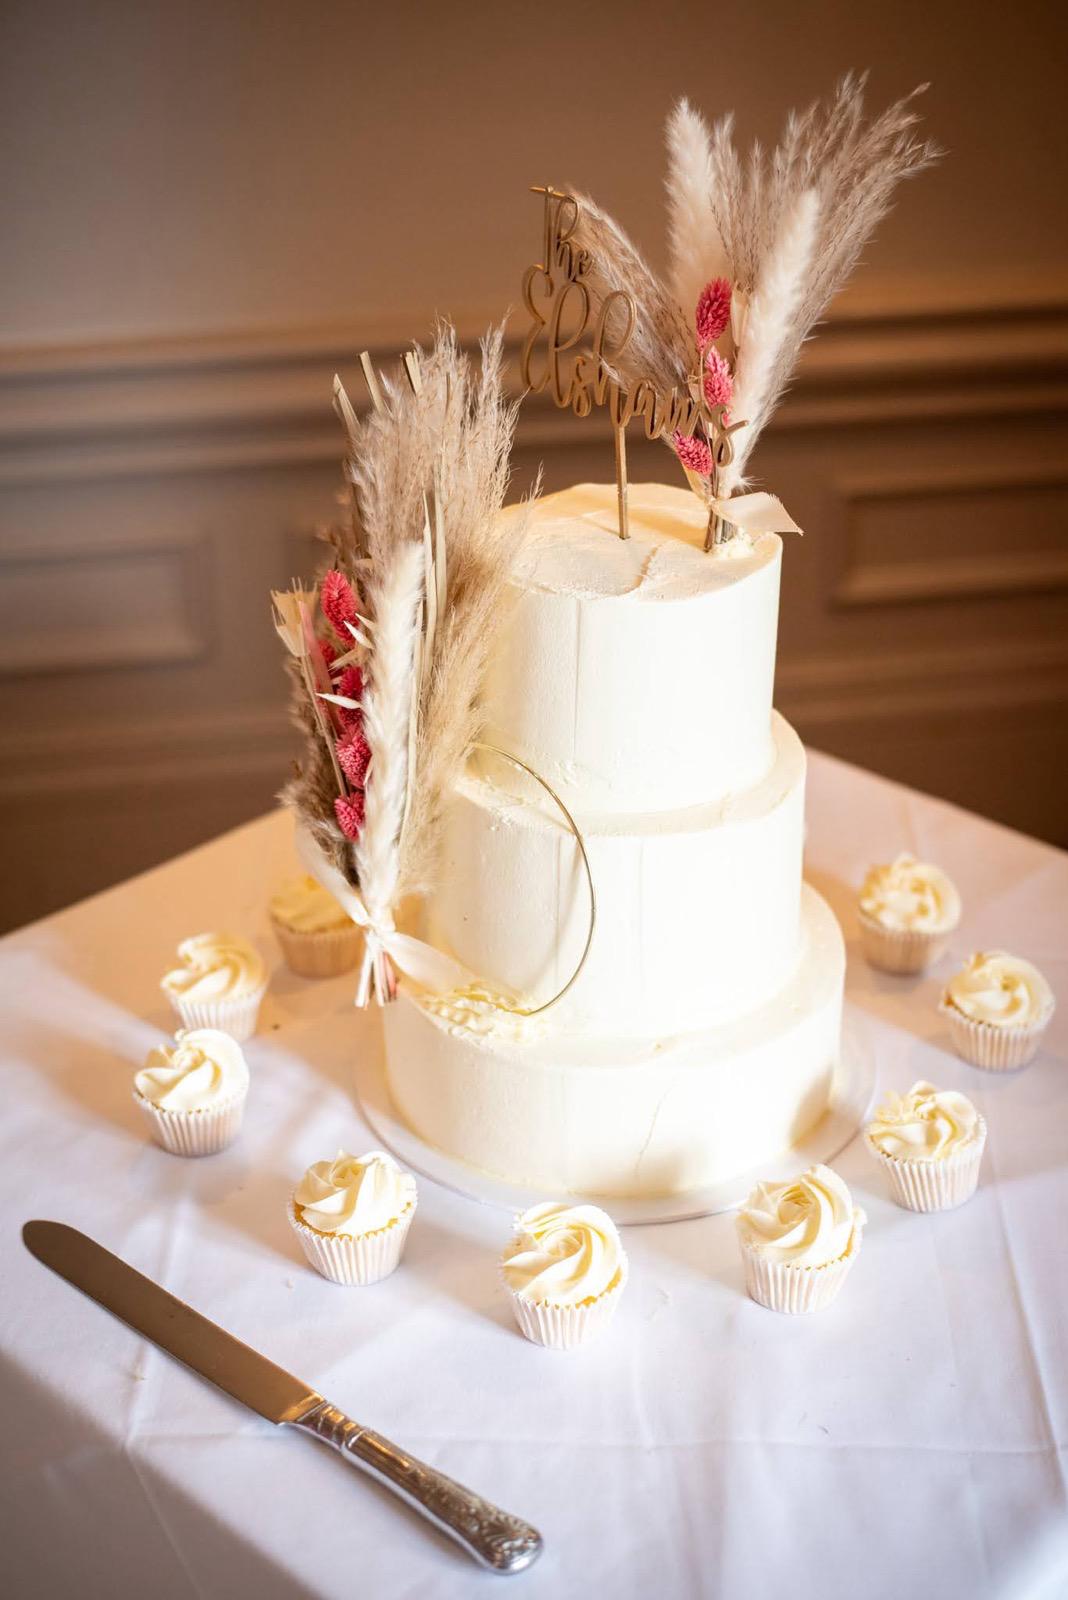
x,y
718,379
694,454
354,756
713,311
339,605
316,680
348,808
349,684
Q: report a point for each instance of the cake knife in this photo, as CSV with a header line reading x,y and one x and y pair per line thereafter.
x,y
493,1537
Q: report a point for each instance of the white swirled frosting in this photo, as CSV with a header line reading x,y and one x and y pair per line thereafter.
x,y
806,1222
216,966
927,1124
1001,989
907,895
481,1012
204,1069
563,1255
354,1194
304,906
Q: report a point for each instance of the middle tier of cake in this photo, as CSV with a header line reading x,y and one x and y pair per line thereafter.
x,y
698,911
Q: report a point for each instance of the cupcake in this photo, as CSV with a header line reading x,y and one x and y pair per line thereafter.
x,y
799,1240
907,910
192,1095
318,940
930,1143
565,1271
219,985
998,1007
352,1216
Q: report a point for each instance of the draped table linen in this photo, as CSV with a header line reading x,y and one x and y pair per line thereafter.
x,y
910,1440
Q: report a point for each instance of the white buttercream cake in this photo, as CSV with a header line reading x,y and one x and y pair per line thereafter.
x,y
701,1036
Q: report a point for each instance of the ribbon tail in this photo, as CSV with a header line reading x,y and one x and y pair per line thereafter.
x,y
362,997
756,513
431,969
334,881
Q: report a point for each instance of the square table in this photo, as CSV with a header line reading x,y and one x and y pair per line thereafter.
x,y
910,1440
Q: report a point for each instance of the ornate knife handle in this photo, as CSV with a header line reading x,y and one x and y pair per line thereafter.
x,y
494,1538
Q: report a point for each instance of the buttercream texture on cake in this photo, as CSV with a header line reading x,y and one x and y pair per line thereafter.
x,y
636,675
598,1114
700,1036
512,899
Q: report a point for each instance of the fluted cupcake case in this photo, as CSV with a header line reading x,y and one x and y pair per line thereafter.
x,y
900,950
993,1048
354,1260
784,1286
194,1133
933,1185
237,1017
319,955
561,1327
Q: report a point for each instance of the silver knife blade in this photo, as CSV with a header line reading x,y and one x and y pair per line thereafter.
x,y
169,1322
493,1537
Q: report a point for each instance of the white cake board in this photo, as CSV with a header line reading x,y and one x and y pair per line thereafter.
x,y
850,1104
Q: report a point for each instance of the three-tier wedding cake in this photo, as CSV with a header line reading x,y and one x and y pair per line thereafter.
x,y
700,1037
559,741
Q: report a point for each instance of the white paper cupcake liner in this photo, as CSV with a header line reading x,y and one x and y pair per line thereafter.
x,y
564,1327
319,955
783,1286
986,1045
933,1185
354,1260
900,950
194,1133
236,1017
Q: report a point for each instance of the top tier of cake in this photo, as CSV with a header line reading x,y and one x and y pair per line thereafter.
x,y
636,675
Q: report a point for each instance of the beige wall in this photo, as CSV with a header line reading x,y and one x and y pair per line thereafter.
x,y
209,207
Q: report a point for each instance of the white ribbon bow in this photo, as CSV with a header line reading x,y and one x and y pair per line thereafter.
x,y
414,957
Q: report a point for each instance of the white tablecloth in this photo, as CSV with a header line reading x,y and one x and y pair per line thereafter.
x,y
909,1441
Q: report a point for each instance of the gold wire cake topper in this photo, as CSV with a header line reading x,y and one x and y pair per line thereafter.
x,y
583,375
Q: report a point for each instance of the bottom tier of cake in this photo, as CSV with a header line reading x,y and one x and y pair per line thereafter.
x,y
629,1117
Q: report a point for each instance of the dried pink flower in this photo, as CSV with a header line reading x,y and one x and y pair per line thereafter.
x,y
719,384
694,454
350,684
339,604
713,310
354,756
348,809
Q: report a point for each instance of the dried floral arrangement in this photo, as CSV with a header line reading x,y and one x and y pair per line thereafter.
x,y
758,248
388,654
